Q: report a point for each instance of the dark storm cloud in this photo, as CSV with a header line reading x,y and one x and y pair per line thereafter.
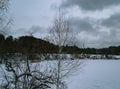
x,y
106,34
112,22
100,39
111,39
80,25
90,4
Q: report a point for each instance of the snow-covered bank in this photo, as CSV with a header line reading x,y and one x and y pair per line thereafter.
x,y
95,74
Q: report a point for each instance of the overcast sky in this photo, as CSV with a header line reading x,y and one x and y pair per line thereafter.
x,y
96,23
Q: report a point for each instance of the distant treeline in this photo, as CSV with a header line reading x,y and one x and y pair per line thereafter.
x,y
30,44
114,50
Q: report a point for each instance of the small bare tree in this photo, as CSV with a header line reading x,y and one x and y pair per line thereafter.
x,y
61,34
19,75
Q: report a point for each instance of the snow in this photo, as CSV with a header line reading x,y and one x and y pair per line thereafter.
x,y
95,74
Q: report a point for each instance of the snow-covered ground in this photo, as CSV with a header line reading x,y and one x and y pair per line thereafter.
x,y
95,74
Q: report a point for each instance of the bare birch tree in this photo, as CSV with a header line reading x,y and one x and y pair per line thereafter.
x,y
4,20
61,34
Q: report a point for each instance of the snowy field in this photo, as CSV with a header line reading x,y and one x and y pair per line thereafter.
x,y
95,74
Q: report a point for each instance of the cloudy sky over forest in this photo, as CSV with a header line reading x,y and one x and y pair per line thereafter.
x,y
96,23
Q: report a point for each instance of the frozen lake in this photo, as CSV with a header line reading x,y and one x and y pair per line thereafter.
x,y
97,74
